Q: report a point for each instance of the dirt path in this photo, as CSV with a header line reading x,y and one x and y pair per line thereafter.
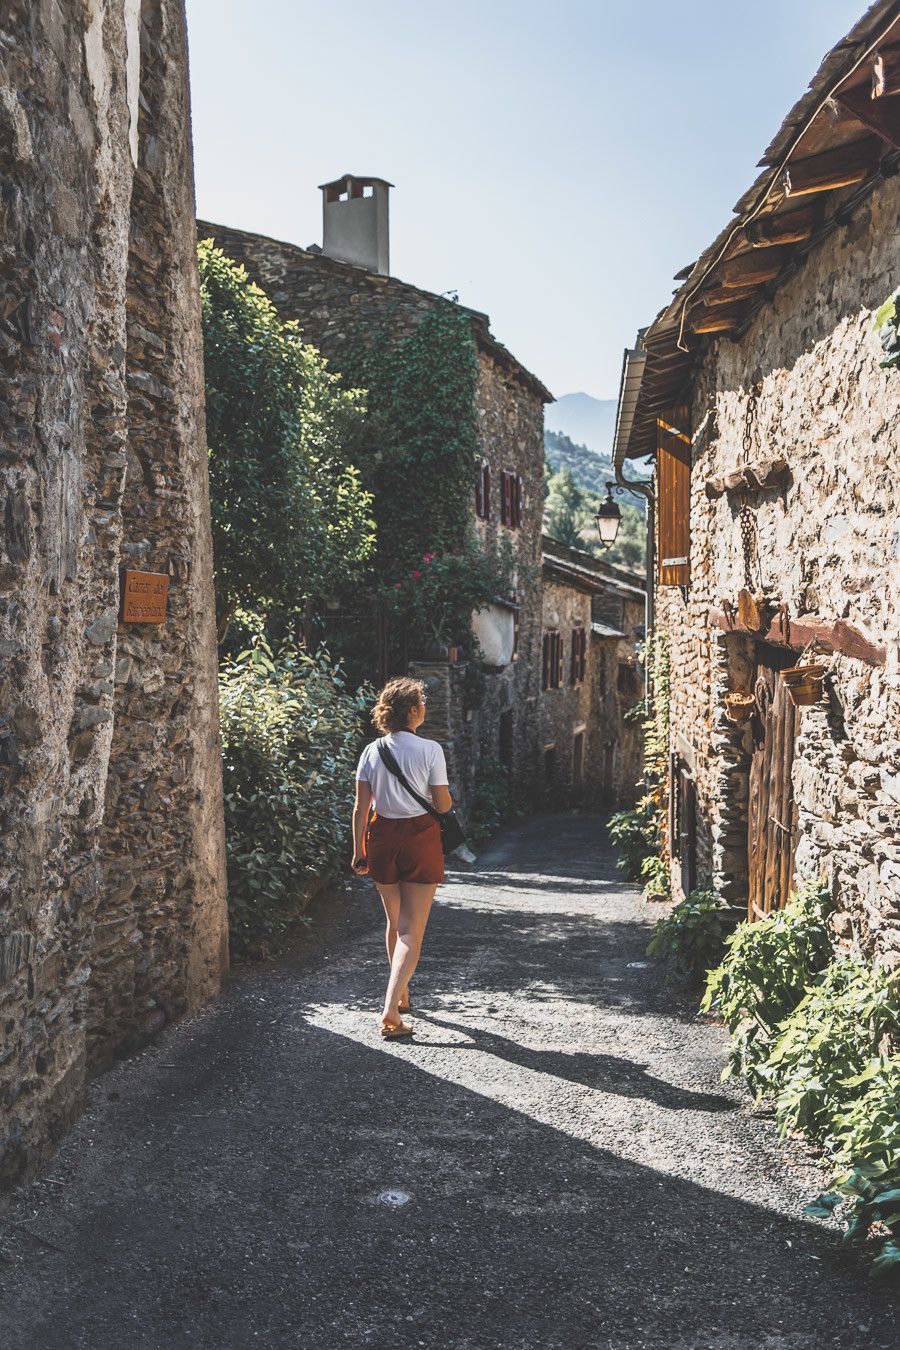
x,y
553,1163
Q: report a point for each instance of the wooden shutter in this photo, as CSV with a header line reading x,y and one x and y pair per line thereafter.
x,y
506,503
520,500
573,659
673,502
479,492
582,653
559,661
488,503
545,662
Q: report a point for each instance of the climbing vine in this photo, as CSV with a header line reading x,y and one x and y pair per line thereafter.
x,y
641,834
422,440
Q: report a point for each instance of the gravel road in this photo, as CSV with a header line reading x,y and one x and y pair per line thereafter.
x,y
553,1163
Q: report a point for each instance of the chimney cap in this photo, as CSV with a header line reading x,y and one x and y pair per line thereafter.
x,y
364,179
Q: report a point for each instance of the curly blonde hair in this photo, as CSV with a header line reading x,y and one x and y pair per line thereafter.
x,y
395,703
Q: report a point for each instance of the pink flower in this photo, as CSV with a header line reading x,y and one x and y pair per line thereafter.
x,y
427,557
417,575
397,585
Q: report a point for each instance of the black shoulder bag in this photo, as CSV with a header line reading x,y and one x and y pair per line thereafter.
x,y
452,836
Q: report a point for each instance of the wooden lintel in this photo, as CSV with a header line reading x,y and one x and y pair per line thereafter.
x,y
754,267
769,472
789,227
843,167
834,635
881,115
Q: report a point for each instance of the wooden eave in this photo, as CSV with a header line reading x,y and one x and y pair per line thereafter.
x,y
851,144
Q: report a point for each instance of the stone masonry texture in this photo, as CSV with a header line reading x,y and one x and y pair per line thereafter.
x,y
112,906
337,304
827,544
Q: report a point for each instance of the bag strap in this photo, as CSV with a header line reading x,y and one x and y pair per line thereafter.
x,y
390,763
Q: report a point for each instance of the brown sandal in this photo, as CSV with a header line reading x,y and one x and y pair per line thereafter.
x,y
396,1031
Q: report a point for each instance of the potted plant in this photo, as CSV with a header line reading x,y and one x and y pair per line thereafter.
x,y
804,683
739,705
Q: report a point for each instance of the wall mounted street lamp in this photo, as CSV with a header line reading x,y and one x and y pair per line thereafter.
x,y
609,517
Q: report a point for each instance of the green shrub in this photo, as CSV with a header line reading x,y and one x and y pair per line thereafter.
x,y
490,802
765,973
691,937
827,1043
290,735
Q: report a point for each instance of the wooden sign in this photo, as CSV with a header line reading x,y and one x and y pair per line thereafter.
x,y
144,597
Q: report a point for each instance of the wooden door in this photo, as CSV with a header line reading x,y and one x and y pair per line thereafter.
x,y
772,811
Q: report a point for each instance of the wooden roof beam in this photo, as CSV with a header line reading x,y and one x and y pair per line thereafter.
x,y
881,115
843,167
886,72
790,227
754,268
723,295
721,319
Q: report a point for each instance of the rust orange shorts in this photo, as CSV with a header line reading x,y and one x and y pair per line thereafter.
x,y
406,849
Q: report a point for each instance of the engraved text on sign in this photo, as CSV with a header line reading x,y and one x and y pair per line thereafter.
x,y
144,596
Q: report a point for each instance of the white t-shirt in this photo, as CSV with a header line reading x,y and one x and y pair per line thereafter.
x,y
421,760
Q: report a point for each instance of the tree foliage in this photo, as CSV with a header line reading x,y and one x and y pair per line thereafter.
x,y
290,516
570,516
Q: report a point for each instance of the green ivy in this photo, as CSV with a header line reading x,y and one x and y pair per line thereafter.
x,y
641,833
491,800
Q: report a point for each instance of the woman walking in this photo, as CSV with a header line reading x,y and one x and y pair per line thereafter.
x,y
398,844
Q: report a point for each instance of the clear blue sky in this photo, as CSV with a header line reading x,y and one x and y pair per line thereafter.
x,y
554,161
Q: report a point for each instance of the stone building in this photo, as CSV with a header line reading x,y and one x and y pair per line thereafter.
x,y
343,295
593,617
776,433
112,918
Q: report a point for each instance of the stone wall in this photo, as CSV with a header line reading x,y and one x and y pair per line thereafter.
x,y
828,545
77,135
337,304
593,708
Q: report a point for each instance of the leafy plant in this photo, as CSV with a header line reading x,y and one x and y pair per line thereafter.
x,y
290,517
634,833
290,734
888,320
766,971
825,1046
491,800
691,937
655,876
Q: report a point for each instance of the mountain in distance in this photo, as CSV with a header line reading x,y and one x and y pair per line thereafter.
x,y
585,420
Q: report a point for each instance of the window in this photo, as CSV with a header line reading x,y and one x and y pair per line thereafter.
x,y
673,495
512,499
578,656
552,661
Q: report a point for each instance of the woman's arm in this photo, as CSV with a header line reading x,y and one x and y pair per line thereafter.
x,y
360,818
440,796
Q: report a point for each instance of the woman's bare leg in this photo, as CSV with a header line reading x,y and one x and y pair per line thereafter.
x,y
390,899
415,907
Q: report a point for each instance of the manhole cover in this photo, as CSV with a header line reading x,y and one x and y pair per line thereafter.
x,y
394,1199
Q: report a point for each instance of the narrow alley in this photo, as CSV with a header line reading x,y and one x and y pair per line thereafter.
x,y
554,1161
